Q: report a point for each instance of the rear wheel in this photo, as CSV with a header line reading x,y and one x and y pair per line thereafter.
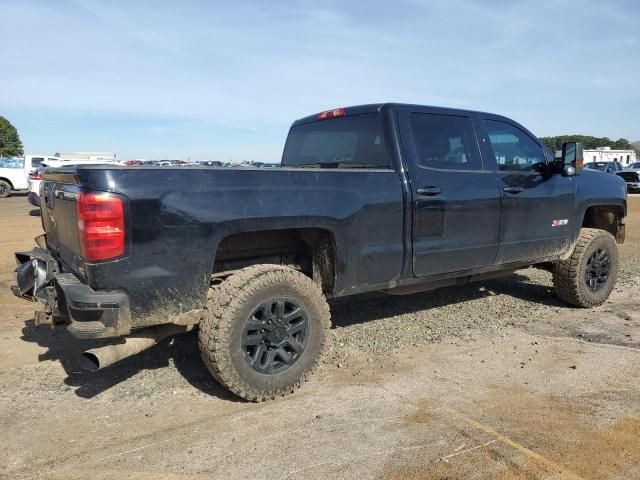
x,y
5,189
264,331
587,278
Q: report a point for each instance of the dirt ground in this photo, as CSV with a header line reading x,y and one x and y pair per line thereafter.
x,y
496,380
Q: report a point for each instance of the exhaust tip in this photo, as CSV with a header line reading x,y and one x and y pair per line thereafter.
x,y
89,361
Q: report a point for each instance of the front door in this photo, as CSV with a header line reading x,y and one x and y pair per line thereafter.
x,y
537,205
456,202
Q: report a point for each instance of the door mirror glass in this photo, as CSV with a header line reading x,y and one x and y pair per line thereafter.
x,y
572,158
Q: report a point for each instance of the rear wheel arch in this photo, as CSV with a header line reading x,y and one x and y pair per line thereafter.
x,y
311,251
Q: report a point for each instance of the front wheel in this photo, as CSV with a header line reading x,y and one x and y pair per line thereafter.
x,y
587,278
264,331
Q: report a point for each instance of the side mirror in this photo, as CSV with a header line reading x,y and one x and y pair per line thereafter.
x,y
572,158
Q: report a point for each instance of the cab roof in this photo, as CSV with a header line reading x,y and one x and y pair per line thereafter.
x,y
378,107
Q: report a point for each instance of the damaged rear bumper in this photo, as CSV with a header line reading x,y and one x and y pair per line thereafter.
x,y
87,313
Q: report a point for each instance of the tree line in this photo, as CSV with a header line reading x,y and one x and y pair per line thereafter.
x,y
589,142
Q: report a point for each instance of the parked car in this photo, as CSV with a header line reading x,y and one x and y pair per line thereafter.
x,y
34,180
631,176
605,167
14,172
211,163
251,255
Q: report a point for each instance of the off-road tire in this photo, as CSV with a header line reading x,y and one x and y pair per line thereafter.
x,y
230,304
569,275
5,189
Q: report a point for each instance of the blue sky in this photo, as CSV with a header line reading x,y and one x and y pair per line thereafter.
x,y
223,80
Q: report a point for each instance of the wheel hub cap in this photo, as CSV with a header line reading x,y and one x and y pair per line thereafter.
x,y
277,335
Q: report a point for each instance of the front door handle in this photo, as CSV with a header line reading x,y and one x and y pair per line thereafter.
x,y
429,191
513,189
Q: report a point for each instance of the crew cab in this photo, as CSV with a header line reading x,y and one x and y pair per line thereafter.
x,y
387,197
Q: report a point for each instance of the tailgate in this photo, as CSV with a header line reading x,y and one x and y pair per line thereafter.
x,y
59,217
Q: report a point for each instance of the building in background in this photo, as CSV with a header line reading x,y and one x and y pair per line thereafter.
x,y
86,155
605,154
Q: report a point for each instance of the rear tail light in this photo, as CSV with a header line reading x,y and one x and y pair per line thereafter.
x,y
35,176
336,112
101,225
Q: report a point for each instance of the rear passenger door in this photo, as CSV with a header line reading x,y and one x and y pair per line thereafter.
x,y
455,201
537,205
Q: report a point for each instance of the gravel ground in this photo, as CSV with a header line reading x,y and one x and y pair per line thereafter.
x,y
510,332
380,323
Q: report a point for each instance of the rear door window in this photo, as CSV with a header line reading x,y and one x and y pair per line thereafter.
x,y
354,141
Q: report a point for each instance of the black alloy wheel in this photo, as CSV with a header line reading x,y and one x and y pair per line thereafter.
x,y
597,271
275,335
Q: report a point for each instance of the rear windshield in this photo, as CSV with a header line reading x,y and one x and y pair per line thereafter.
x,y
354,141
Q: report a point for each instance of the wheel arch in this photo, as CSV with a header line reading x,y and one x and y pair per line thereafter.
x,y
8,181
313,251
606,216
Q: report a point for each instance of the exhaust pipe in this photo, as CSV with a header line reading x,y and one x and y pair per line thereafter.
x,y
98,358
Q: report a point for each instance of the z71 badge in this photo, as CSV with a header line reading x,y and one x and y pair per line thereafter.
x,y
560,222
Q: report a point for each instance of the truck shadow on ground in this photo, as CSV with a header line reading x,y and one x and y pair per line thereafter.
x,y
182,350
376,305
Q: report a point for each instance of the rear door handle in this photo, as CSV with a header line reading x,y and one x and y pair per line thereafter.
x,y
429,191
513,189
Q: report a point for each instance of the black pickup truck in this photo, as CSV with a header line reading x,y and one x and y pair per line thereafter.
x,y
390,197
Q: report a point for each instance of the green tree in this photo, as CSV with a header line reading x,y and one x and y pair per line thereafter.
x,y
10,144
621,144
587,141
